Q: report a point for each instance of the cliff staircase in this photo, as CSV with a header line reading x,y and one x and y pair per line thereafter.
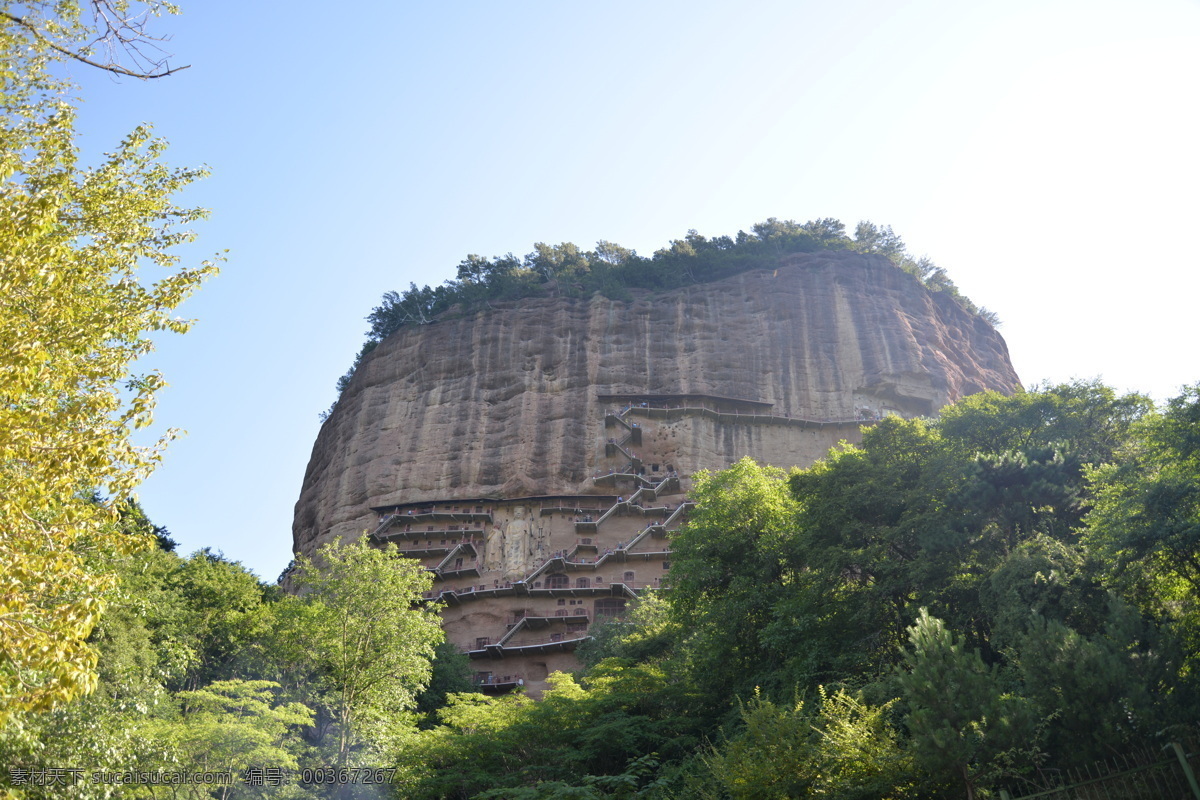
x,y
569,561
449,567
551,576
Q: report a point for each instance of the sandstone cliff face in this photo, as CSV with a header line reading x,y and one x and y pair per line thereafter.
x,y
506,403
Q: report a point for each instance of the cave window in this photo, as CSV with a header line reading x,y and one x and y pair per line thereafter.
x,y
582,583
563,602
482,642
627,577
558,582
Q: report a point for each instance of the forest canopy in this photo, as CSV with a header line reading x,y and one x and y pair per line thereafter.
x,y
950,607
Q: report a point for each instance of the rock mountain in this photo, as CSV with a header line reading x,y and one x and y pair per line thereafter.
x,y
539,452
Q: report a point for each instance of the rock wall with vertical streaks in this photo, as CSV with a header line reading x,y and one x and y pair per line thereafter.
x,y
507,402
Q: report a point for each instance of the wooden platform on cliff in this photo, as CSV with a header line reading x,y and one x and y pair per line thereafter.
x,y
679,399
726,410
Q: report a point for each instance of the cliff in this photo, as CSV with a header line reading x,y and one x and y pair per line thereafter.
x,y
507,402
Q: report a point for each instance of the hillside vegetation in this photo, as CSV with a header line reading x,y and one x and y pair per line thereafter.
x,y
938,612
565,270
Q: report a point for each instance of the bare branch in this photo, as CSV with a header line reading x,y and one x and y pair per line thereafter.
x,y
130,44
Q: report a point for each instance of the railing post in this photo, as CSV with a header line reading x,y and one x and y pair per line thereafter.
x,y
1187,768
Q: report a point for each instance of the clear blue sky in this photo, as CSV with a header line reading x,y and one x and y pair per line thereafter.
x,y
1044,152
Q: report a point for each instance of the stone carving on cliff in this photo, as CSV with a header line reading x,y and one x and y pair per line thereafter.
x,y
493,558
518,536
540,543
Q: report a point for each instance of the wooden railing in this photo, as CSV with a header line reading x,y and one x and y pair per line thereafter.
x,y
1138,774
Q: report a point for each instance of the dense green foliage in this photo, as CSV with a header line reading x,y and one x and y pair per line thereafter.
x,y
565,270
203,668
931,613
356,648
838,747
622,711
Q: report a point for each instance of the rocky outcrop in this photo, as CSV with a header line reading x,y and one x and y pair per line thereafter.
x,y
509,402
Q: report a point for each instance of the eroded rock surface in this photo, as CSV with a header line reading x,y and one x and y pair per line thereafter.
x,y
507,402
